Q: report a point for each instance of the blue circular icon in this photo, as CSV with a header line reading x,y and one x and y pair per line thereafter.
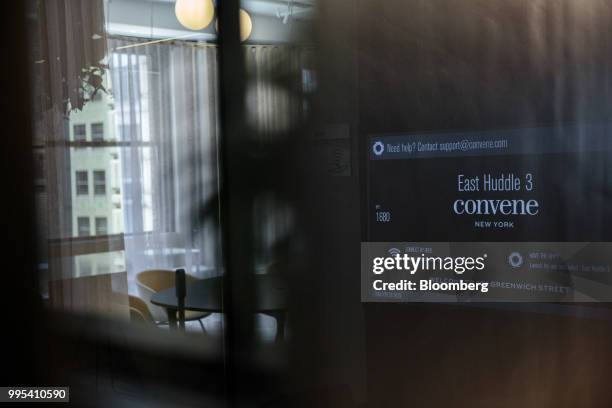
x,y
515,259
378,148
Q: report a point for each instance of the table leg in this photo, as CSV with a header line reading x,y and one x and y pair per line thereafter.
x,y
171,318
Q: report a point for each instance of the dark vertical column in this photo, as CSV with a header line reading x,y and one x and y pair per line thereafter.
x,y
238,179
20,303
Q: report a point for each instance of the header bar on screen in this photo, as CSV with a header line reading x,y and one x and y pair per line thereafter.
x,y
539,140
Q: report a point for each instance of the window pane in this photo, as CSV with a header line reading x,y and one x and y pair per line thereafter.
x,y
145,136
80,133
101,226
83,223
97,132
99,182
82,185
99,263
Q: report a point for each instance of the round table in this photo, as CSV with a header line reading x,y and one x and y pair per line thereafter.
x,y
206,296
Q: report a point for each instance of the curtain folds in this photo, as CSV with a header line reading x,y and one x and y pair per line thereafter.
x,y
274,87
166,107
167,120
67,45
72,38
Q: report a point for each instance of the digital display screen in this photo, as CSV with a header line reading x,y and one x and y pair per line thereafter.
x,y
535,201
537,184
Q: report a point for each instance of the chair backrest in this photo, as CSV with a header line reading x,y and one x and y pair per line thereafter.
x,y
156,280
139,311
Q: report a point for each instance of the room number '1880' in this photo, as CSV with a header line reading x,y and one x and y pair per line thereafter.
x,y
383,216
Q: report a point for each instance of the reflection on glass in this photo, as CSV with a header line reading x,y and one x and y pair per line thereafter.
x,y
127,136
126,152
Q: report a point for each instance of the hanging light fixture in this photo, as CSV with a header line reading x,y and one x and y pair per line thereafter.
x,y
246,25
194,14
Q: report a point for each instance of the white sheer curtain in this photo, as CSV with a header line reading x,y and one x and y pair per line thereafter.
x,y
166,120
166,104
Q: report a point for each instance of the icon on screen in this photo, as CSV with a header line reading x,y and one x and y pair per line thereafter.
x,y
394,252
515,259
378,148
